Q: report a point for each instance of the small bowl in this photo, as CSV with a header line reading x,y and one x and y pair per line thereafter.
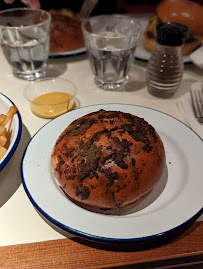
x,y
50,97
16,129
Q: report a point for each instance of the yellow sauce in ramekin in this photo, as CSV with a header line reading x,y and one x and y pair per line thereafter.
x,y
51,105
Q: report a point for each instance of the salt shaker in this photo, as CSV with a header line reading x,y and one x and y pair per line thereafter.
x,y
165,67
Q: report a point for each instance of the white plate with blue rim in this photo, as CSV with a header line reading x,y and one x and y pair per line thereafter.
x,y
176,201
69,53
16,129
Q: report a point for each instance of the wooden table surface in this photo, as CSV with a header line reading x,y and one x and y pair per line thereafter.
x,y
185,250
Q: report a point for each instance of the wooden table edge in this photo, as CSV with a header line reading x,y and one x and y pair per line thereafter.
x,y
80,253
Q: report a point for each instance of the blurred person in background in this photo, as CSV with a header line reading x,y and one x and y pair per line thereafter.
x,y
102,7
35,4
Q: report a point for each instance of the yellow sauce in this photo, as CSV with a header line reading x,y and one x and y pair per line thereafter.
x,y
51,105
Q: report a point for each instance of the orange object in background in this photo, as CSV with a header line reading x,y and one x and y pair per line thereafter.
x,y
183,11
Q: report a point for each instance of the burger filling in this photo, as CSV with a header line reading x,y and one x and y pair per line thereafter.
x,y
151,29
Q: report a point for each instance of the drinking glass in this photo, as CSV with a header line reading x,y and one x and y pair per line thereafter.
x,y
24,38
111,41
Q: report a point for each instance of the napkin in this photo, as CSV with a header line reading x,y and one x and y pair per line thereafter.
x,y
185,107
197,57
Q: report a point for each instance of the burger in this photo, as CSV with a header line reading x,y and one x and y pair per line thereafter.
x,y
185,12
65,31
108,159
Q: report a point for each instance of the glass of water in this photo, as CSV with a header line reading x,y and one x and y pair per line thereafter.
x,y
24,38
111,41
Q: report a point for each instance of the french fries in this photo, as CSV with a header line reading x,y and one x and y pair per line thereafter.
x,y
5,133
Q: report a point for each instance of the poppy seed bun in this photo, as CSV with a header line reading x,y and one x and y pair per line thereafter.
x,y
108,159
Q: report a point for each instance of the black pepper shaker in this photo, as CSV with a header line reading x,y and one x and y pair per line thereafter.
x,y
165,67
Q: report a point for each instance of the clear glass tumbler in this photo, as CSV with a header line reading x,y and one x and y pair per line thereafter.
x,y
24,38
111,42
